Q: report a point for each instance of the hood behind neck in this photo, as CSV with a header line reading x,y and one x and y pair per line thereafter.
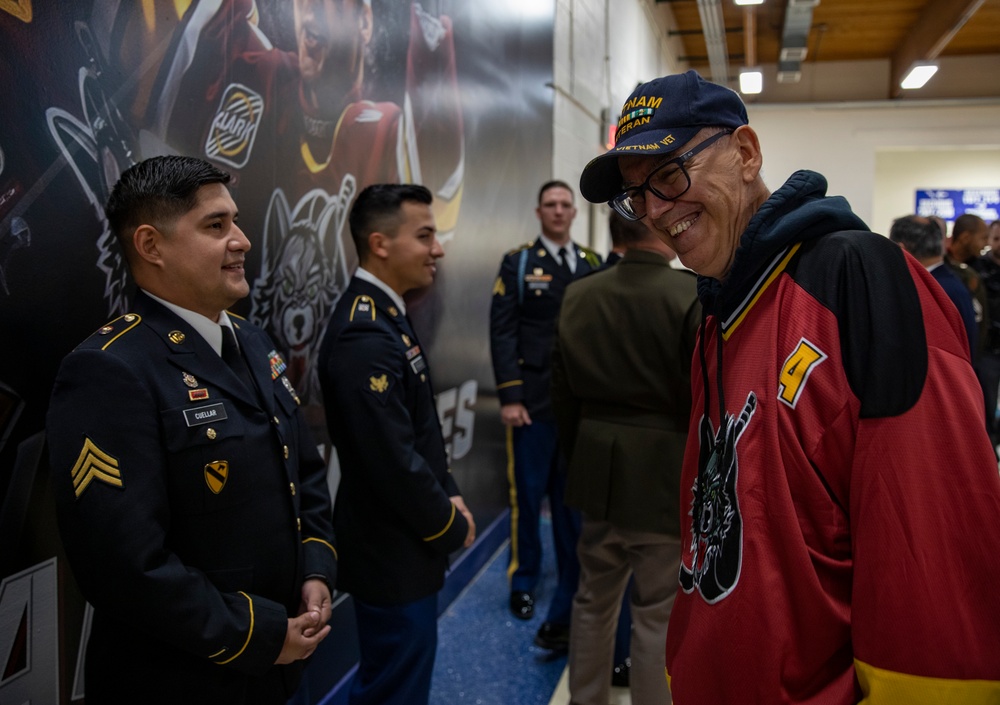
x,y
799,211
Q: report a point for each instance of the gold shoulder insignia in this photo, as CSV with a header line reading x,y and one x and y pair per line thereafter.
x,y
117,328
94,464
498,288
363,306
379,384
591,256
519,248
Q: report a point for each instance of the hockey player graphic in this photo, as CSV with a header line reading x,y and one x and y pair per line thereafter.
x,y
716,550
299,127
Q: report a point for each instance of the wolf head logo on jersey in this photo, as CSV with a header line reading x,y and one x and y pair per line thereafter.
x,y
302,275
713,560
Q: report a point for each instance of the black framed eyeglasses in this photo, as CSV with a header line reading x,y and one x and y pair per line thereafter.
x,y
668,182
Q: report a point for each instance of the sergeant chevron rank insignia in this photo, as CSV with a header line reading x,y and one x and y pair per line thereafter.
x,y
94,464
216,474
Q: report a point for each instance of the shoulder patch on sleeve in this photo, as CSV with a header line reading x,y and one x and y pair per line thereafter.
x,y
499,289
363,307
378,384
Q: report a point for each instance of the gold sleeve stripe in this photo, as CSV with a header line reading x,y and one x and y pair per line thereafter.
x,y
881,686
218,653
515,383
354,306
249,634
94,464
515,514
137,321
447,526
325,543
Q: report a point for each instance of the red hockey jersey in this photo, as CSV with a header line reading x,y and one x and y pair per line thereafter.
x,y
840,530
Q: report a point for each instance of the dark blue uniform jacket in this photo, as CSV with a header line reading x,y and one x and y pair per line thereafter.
x,y
395,523
191,509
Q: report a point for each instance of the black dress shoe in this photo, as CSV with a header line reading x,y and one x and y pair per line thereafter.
x,y
554,637
620,673
522,605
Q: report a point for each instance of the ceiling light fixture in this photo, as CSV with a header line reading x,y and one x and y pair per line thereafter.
x,y
918,75
751,81
749,2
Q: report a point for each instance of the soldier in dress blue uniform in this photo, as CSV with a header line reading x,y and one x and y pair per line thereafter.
x,y
526,299
399,513
191,498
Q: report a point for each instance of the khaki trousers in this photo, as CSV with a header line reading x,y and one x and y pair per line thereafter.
x,y
608,556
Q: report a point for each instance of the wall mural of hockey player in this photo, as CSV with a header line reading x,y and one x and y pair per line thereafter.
x,y
295,127
227,84
305,102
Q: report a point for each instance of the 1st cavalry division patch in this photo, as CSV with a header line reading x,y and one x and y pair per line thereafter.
x,y
216,474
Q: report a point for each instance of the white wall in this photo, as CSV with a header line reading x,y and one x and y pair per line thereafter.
x,y
875,153
846,143
901,172
603,48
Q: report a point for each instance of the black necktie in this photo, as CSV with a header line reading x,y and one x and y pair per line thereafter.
x,y
564,263
232,357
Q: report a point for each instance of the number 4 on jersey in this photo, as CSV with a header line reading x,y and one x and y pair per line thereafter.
x,y
796,370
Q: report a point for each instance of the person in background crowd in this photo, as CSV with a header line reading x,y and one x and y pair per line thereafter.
x,y
922,238
526,298
399,513
966,244
624,435
618,228
834,550
187,484
988,268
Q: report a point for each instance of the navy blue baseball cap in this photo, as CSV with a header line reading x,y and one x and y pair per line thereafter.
x,y
660,117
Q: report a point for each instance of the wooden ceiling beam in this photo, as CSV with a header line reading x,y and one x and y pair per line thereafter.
x,y
939,21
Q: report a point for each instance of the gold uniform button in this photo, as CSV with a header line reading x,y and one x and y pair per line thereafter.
x,y
286,452
276,421
298,523
211,434
291,486
423,377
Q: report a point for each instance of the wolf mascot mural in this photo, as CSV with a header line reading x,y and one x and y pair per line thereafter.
x,y
212,84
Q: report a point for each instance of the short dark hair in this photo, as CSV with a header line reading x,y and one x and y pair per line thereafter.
x,y
625,233
555,183
157,191
966,223
378,208
921,237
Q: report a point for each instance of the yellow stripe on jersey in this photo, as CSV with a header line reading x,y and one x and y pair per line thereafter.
x,y
882,687
734,321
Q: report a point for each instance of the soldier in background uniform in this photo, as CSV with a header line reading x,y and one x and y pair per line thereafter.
x,y
621,394
526,299
399,513
191,498
988,267
968,240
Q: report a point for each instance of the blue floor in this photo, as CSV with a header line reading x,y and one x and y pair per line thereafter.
x,y
486,656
